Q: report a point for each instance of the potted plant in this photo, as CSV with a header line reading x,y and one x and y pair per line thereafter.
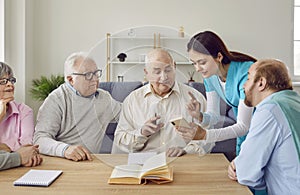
x,y
42,87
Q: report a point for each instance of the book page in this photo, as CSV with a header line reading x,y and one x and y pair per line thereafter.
x,y
38,178
140,157
167,174
154,162
121,171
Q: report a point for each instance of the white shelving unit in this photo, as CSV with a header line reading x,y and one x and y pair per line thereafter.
x,y
136,43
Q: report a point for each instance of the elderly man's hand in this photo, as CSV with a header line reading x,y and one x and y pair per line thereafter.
x,y
232,171
150,127
175,152
77,153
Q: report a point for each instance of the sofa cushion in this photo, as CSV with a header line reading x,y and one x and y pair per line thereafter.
x,y
199,86
120,90
227,147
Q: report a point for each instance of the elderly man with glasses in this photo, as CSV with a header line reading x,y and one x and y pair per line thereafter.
x,y
72,121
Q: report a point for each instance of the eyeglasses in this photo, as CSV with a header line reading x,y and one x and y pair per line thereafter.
x,y
89,75
13,80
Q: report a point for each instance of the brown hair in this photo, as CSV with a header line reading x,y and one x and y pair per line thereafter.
x,y
211,44
275,73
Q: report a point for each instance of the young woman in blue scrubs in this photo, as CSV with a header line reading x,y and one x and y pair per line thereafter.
x,y
224,74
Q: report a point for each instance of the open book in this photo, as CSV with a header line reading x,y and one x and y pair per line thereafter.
x,y
154,169
38,178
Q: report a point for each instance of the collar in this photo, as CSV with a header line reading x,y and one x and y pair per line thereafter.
x,y
77,92
12,109
149,90
265,100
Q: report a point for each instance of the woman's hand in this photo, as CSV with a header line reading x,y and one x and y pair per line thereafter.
x,y
194,107
5,147
195,132
2,110
3,106
29,155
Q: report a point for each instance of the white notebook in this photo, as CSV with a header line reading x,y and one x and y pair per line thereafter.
x,y
38,178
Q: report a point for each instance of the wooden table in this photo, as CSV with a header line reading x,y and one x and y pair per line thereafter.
x,y
192,175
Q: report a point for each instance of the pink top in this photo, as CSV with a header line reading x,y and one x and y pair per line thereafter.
x,y
17,127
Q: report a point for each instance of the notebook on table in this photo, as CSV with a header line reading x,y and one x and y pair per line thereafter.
x,y
38,178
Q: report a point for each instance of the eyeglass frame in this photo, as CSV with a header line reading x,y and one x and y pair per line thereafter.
x,y
4,81
91,73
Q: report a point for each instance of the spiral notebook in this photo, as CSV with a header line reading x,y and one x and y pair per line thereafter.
x,y
38,178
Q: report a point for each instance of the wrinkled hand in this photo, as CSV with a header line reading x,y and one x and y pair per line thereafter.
x,y
150,127
232,171
5,147
30,156
175,152
3,106
77,153
194,133
194,107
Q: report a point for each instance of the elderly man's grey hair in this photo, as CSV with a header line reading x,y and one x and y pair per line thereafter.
x,y
71,61
5,70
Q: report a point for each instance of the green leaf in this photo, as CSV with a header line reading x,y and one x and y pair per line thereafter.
x,y
42,87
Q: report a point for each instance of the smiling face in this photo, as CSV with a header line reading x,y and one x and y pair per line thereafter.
x,y
205,64
160,71
7,90
83,86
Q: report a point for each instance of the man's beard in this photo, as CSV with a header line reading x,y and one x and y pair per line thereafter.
x,y
249,96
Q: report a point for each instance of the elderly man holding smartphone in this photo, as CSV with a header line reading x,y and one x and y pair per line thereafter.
x,y
144,123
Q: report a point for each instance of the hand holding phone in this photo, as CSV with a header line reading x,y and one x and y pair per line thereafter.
x,y
180,122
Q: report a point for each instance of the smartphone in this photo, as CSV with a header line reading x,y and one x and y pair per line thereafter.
x,y
180,122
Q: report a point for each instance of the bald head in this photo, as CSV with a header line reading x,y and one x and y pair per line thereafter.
x,y
160,71
158,56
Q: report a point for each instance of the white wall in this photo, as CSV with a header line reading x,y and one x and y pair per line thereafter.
x,y
55,28
15,52
2,30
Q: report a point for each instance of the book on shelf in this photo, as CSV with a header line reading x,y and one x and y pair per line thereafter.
x,y
154,169
38,178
